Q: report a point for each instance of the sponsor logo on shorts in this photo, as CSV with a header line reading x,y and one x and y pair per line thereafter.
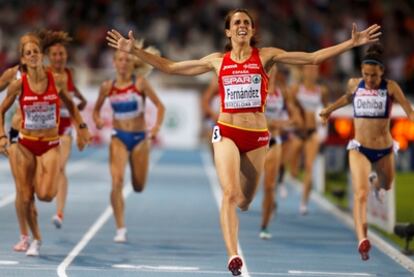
x,y
266,138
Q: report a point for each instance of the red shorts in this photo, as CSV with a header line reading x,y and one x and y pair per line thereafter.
x,y
39,146
65,126
246,140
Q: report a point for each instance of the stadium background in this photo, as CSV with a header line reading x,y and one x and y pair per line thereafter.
x,y
192,29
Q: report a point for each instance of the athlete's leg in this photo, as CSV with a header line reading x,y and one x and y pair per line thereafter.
x,y
25,173
271,171
227,161
251,168
118,157
65,149
360,168
295,149
49,162
139,162
23,244
385,169
311,149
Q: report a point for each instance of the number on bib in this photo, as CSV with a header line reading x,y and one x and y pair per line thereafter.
x,y
216,137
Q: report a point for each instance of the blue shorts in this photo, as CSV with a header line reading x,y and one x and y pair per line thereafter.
x,y
373,155
129,139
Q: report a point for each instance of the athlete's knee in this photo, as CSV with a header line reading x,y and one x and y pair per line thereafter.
x,y
117,182
117,188
230,196
138,186
361,195
45,196
244,204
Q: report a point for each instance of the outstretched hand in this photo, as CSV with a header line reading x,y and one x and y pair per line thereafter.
x,y
369,35
117,41
324,115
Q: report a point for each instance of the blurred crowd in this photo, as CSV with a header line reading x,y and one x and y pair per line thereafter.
x,y
184,29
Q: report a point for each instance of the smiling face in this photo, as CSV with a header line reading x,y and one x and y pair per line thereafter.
x,y
31,55
240,28
372,75
58,56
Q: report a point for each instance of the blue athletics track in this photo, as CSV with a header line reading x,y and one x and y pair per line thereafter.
x,y
174,230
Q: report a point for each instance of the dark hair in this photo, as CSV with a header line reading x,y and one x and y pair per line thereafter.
x,y
374,55
50,38
253,40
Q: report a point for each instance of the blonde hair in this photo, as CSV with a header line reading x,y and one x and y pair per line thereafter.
x,y
139,67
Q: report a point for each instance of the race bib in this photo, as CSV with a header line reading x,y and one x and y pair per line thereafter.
x,y
40,116
216,136
370,104
242,91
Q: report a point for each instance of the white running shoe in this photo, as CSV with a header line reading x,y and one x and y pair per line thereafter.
x,y
57,221
264,234
121,235
379,193
23,244
283,190
34,248
303,209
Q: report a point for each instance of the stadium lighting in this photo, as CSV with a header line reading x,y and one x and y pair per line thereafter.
x,y
405,231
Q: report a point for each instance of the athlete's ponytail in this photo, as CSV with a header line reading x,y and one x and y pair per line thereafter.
x,y
141,68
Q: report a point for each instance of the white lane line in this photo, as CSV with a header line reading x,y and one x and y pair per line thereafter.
x,y
7,200
61,270
8,262
215,186
157,268
323,273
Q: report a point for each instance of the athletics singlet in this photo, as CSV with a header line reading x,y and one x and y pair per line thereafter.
x,y
242,86
372,103
39,111
127,102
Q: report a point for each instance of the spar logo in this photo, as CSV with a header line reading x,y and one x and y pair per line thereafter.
x,y
241,80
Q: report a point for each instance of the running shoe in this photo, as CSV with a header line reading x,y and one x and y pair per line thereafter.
x,y
121,235
283,190
303,209
264,234
235,264
23,244
363,248
34,248
57,221
379,193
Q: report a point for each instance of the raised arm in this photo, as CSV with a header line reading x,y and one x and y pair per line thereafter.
x,y
190,67
340,102
369,35
398,95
